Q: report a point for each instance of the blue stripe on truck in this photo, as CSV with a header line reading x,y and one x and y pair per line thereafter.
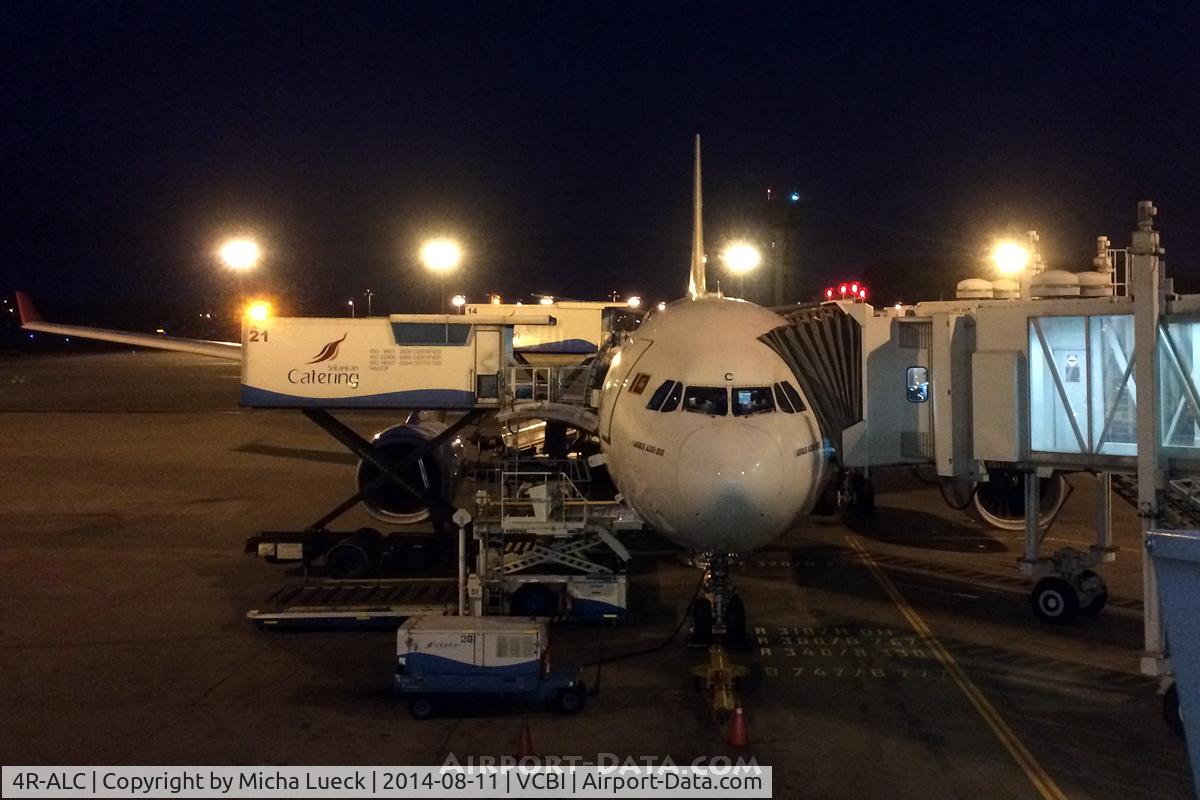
x,y
583,609
580,347
254,397
428,664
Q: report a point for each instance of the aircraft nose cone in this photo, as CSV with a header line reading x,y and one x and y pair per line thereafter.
x,y
730,481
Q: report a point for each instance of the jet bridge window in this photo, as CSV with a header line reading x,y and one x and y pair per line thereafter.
x,y
756,400
706,400
660,394
916,385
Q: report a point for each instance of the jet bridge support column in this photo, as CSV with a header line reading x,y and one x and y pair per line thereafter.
x,y
1033,528
1145,273
1104,545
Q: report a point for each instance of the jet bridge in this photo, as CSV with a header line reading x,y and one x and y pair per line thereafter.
x,y
1002,396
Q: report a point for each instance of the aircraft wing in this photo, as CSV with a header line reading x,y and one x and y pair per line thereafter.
x,y
32,321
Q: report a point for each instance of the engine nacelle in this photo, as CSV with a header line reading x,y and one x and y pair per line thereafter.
x,y
1000,501
436,472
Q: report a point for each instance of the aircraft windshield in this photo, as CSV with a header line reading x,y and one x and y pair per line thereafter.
x,y
792,395
673,398
756,400
782,401
706,400
660,394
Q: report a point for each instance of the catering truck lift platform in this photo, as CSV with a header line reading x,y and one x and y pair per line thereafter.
x,y
563,561
356,603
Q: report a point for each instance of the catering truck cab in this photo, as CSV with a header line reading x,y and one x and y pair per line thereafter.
x,y
442,657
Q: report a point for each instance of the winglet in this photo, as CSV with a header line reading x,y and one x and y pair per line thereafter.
x,y
26,309
696,285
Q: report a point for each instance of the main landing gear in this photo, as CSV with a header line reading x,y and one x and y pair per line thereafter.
x,y
856,495
718,615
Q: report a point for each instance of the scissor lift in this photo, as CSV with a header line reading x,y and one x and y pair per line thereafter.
x,y
544,550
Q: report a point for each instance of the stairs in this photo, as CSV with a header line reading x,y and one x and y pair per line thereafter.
x,y
1181,501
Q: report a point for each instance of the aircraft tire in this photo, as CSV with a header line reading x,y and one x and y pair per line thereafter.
x,y
421,707
702,621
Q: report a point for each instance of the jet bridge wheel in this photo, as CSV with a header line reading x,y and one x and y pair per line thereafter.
x,y
1099,597
1055,600
857,497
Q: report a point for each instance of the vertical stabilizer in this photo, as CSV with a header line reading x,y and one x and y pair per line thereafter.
x,y
696,287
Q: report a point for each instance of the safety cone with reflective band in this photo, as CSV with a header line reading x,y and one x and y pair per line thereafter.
x,y
524,741
737,729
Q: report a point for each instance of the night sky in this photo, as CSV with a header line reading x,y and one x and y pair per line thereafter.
x,y
554,139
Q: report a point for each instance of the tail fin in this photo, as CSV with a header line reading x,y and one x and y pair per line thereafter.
x,y
696,285
26,309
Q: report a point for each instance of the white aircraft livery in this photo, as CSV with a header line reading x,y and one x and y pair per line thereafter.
x,y
705,431
706,434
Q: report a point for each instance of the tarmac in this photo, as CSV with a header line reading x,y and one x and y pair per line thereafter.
x,y
898,658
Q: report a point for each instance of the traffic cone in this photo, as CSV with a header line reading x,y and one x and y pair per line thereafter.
x,y
524,741
737,729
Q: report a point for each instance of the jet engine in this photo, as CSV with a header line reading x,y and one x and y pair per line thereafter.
x,y
435,472
1000,501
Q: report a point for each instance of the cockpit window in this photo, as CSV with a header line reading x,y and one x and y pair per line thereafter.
x,y
706,400
792,395
660,394
673,398
755,400
782,401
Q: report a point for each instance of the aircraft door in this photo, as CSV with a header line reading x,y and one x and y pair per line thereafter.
x,y
914,342
488,350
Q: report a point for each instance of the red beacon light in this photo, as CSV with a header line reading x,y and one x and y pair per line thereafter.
x,y
843,289
862,293
854,288
829,293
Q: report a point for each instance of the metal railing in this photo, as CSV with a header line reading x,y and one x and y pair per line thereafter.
x,y
549,384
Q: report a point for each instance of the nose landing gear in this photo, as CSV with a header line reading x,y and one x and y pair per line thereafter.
x,y
718,615
719,625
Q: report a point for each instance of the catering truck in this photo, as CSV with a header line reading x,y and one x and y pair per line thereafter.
x,y
438,658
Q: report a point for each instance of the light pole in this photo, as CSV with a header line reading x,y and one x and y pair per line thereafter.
x,y
441,256
368,294
239,256
740,258
351,304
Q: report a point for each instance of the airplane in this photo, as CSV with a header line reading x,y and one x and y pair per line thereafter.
x,y
706,431
707,435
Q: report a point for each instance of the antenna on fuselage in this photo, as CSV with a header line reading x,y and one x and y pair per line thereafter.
x,y
696,285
